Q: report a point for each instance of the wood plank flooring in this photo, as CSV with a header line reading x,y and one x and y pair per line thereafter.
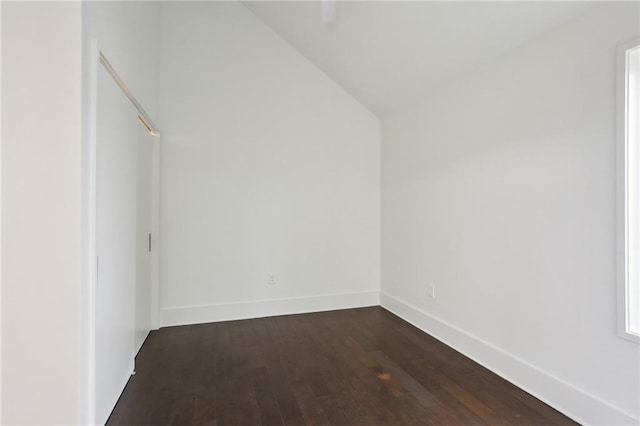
x,y
350,367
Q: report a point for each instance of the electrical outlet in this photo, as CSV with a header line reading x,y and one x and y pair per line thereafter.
x,y
271,279
431,291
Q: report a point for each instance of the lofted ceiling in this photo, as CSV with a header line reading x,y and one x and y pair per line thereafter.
x,y
387,53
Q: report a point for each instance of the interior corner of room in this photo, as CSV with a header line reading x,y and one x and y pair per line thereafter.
x,y
462,167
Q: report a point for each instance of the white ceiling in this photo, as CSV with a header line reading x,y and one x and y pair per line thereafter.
x,y
387,53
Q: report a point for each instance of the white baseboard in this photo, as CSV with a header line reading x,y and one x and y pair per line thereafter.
x,y
564,397
574,402
266,308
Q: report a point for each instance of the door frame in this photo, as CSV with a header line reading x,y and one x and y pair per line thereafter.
x,y
89,220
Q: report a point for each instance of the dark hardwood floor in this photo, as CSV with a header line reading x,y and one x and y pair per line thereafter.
x,y
350,367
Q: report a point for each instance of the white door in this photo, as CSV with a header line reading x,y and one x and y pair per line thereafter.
x,y
118,134
143,236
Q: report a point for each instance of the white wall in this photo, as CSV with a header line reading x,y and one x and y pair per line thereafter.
x,y
128,34
267,167
41,208
499,188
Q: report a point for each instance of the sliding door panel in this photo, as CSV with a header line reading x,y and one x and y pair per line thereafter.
x,y
118,133
144,239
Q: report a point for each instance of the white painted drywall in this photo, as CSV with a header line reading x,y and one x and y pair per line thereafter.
x,y
128,34
41,208
268,166
499,189
387,53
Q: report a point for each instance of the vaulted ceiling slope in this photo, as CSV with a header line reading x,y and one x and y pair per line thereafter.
x,y
387,53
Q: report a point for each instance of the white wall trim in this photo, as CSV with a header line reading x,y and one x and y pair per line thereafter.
x,y
266,308
625,245
564,397
89,250
0,212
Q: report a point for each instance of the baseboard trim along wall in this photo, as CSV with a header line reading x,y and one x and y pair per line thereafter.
x,y
266,308
564,397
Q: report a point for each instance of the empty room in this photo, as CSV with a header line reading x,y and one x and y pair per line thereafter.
x,y
320,213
